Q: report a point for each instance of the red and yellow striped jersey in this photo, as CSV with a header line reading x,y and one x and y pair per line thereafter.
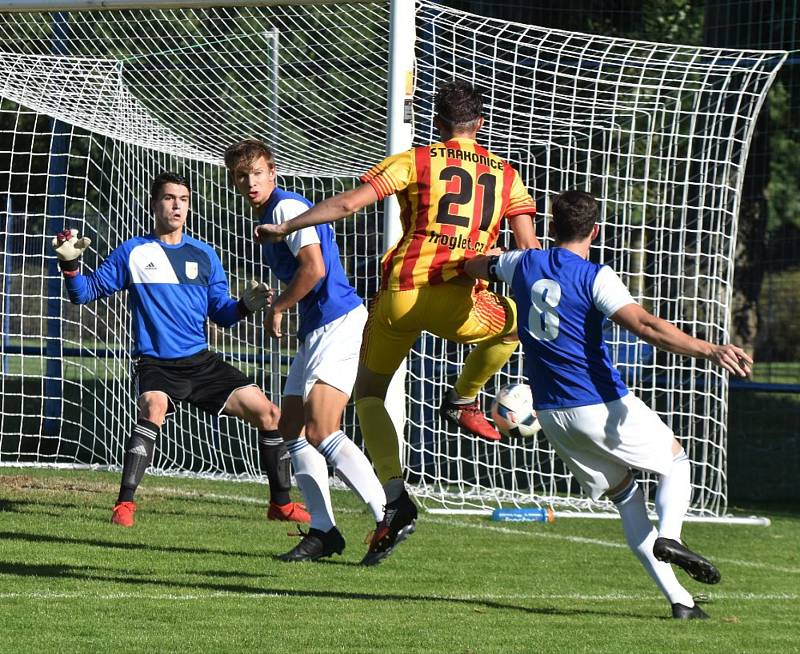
x,y
453,196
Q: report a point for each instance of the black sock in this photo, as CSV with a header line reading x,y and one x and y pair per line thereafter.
x,y
138,455
275,462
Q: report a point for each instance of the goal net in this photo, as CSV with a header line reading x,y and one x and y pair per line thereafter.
x,y
95,103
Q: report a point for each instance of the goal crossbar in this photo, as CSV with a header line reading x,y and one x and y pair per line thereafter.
x,y
34,6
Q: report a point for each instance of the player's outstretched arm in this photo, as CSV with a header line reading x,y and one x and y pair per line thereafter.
x,y
478,267
110,276
524,233
255,297
665,335
223,309
226,311
327,211
69,248
310,270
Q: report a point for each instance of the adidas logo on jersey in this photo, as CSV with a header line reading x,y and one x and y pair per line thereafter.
x,y
150,266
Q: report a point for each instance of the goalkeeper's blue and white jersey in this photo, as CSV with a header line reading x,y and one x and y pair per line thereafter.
x,y
172,289
332,296
562,302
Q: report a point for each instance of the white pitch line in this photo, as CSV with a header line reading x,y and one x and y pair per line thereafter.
x,y
597,541
432,519
758,565
535,534
612,597
191,597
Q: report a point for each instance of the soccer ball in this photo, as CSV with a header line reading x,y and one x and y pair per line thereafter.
x,y
512,412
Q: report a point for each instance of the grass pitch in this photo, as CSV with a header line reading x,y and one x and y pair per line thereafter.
x,y
197,573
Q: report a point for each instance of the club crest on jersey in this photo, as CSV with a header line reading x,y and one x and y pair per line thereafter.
x,y
191,269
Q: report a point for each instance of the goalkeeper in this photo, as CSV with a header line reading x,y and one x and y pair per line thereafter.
x,y
602,432
174,283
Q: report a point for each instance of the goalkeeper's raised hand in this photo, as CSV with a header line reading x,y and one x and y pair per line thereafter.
x,y
254,298
69,249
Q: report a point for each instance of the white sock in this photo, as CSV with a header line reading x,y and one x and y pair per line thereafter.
x,y
641,535
455,398
311,473
355,469
673,497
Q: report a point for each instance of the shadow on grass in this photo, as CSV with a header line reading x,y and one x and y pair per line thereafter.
x,y
10,505
37,508
324,561
91,574
44,507
171,549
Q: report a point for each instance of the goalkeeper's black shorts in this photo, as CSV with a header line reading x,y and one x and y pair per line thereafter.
x,y
203,379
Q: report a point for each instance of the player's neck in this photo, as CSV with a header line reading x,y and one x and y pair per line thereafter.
x,y
170,238
449,136
581,248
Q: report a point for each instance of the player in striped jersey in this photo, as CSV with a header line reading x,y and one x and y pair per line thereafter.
x,y
322,372
175,283
453,195
601,431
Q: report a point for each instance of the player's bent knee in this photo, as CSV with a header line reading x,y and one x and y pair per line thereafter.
x,y
314,436
317,431
292,418
290,427
363,392
620,488
371,384
252,405
153,406
268,417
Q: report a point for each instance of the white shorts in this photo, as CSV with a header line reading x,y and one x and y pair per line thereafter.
x,y
328,354
601,442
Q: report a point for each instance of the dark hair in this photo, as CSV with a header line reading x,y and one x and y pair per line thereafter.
x,y
574,215
458,104
167,177
246,152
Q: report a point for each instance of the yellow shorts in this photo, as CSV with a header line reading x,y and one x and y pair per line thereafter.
x,y
465,314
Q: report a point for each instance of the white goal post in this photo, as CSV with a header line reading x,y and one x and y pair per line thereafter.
x,y
97,96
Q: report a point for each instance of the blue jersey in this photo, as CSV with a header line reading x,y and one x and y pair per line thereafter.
x,y
562,302
171,291
332,296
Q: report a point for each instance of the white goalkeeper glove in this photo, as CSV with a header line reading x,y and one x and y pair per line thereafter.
x,y
69,249
254,298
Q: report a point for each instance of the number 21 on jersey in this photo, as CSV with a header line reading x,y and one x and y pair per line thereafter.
x,y
487,182
542,317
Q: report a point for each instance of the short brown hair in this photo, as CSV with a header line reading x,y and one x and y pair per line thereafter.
x,y
458,104
574,215
164,178
246,152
